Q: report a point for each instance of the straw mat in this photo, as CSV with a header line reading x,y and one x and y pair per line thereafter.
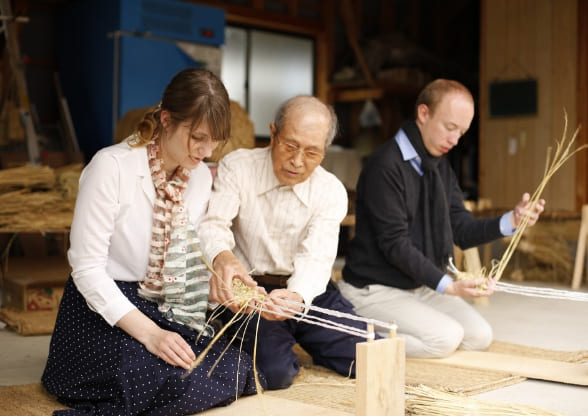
x,y
27,400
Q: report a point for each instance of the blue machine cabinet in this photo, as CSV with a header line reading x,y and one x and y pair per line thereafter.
x,y
116,55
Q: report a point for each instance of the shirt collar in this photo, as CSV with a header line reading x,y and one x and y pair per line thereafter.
x,y
269,182
406,148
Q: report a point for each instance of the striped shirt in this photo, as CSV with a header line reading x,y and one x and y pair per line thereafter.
x,y
272,228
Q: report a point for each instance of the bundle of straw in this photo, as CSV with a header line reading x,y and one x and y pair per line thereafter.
x,y
68,178
425,401
24,210
27,176
38,199
563,153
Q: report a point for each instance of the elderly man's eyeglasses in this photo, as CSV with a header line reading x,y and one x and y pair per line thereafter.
x,y
292,149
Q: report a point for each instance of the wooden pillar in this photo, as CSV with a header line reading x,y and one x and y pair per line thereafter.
x,y
580,250
380,377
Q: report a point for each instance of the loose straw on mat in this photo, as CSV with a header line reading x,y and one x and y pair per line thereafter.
x,y
425,401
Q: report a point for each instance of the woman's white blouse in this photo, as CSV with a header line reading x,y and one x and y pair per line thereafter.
x,y
111,230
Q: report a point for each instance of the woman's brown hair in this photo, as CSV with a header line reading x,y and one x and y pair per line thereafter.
x,y
194,95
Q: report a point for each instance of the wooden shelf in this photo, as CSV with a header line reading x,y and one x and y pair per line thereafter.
x,y
353,91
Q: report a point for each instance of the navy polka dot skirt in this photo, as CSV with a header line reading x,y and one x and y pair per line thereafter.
x,y
97,369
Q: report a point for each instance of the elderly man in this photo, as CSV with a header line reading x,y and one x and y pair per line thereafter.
x,y
409,213
273,220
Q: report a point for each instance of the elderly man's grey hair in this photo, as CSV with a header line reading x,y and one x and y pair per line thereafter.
x,y
303,101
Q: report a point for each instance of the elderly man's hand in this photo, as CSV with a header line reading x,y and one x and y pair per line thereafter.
x,y
228,267
523,208
278,305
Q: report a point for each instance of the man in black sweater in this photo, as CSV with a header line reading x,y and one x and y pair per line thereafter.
x,y
409,213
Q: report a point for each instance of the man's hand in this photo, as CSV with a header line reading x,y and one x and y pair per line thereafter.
x,y
523,208
473,288
278,306
228,267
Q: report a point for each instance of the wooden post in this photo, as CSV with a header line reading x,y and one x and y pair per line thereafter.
x,y
380,377
581,249
471,260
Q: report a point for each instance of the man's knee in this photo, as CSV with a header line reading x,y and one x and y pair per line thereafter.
x,y
278,375
445,342
479,338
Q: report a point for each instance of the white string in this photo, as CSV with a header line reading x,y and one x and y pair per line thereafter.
x,y
339,314
539,292
320,322
325,323
542,292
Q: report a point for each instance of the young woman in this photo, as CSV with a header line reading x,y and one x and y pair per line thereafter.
x,y
133,315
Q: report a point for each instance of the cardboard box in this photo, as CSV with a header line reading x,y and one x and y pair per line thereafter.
x,y
34,284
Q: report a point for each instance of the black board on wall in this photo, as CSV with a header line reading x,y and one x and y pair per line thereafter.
x,y
513,98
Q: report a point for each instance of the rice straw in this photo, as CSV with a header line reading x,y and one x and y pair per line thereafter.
x,y
562,154
425,401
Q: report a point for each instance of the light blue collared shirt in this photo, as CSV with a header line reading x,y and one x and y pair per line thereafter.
x,y
410,154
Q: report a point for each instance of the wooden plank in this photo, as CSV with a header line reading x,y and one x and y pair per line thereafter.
x,y
535,368
356,94
380,377
581,190
561,192
521,39
324,50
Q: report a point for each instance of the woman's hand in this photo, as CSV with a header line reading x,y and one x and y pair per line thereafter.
x,y
167,345
170,347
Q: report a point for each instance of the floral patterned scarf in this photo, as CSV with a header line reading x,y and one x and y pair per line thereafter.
x,y
177,278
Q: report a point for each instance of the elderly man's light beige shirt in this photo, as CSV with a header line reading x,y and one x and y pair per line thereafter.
x,y
272,228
